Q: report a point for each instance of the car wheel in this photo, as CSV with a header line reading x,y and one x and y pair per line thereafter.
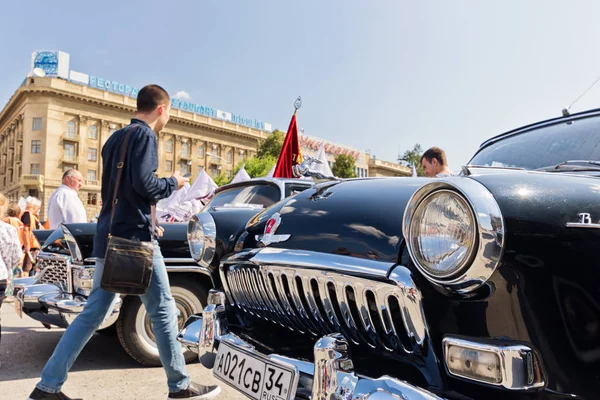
x,y
134,327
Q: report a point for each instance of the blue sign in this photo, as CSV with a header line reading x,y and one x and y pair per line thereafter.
x,y
47,61
193,108
113,86
132,91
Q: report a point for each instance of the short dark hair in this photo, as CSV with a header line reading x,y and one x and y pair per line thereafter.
x,y
150,97
437,153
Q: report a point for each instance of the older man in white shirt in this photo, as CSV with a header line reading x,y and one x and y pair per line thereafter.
x,y
64,205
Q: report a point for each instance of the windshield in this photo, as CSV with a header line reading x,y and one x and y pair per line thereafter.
x,y
542,147
260,196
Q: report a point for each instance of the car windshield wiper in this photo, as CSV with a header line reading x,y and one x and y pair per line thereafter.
x,y
573,165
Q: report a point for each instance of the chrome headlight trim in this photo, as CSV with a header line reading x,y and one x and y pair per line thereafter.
x,y
490,232
206,222
520,365
464,261
83,279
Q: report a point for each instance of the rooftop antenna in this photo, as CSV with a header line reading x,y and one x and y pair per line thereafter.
x,y
565,111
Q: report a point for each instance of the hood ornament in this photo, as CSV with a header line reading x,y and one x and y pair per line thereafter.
x,y
585,221
270,228
303,170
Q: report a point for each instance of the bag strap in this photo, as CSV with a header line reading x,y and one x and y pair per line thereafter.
x,y
120,166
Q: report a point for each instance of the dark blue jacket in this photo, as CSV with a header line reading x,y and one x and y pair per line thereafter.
x,y
139,186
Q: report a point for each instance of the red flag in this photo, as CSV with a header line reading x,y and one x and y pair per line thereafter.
x,y
290,152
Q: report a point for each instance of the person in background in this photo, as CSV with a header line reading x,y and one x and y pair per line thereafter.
x,y
12,218
10,254
435,164
64,205
30,220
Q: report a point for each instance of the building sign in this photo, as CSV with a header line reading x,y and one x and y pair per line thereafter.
x,y
56,63
112,86
313,144
52,63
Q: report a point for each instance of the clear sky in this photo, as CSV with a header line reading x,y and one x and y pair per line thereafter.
x,y
378,75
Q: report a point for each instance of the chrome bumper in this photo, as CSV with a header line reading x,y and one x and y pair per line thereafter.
x,y
50,305
332,373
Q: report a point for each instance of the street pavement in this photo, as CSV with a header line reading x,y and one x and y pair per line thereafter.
x,y
102,371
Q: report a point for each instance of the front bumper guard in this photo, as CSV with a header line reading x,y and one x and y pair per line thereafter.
x,y
50,305
332,373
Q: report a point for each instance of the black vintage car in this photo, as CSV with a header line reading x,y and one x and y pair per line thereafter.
x,y
484,285
59,292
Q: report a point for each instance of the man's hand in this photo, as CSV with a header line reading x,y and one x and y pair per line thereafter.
x,y
160,231
180,179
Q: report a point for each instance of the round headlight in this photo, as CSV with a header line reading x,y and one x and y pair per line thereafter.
x,y
201,237
443,234
195,239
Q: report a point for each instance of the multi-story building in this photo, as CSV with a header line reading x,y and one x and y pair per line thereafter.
x,y
50,125
60,119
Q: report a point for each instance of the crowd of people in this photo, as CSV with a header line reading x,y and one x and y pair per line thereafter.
x,y
18,244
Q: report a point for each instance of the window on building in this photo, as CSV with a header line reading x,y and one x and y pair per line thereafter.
x,y
36,146
35,169
185,149
201,152
185,168
229,157
168,165
93,132
92,199
169,146
92,154
69,152
33,193
228,173
91,175
37,124
71,130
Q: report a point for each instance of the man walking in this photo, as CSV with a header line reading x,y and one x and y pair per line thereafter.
x,y
65,206
435,164
139,189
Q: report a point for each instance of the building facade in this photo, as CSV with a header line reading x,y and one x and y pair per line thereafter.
x,y
50,125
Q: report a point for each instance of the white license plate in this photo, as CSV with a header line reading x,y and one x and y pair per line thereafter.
x,y
258,377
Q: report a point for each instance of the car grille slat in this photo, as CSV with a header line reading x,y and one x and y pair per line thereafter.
x,y
286,304
53,269
377,312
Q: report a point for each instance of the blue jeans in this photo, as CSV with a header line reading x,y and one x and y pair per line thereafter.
x,y
162,311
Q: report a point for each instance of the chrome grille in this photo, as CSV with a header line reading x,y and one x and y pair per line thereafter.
x,y
54,269
382,312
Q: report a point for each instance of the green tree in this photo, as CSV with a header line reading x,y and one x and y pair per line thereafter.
x,y
344,166
257,167
271,146
222,179
413,157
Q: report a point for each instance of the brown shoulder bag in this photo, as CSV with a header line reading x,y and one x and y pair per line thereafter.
x,y
128,264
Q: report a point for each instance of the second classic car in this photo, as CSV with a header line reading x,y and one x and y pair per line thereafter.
x,y
479,286
59,292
